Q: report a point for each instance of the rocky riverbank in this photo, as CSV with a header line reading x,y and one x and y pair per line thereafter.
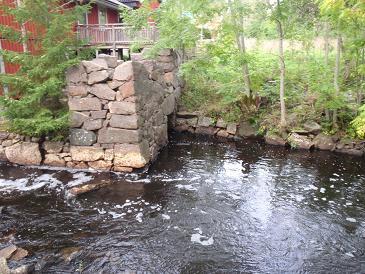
x,y
310,137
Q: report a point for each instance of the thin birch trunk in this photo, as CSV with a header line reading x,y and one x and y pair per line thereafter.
x,y
336,77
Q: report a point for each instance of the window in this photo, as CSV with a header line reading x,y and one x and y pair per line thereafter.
x,y
83,20
102,16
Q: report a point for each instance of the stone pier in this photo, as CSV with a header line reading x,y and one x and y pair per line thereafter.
x,y
118,116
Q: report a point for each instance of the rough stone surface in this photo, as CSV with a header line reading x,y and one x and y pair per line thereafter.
x,y
112,61
135,156
84,104
3,157
221,123
95,65
246,130
80,90
299,141
54,160
205,122
78,118
126,90
52,147
98,77
86,154
100,114
206,131
124,121
103,91
118,136
124,108
24,153
115,84
232,128
324,142
101,165
168,105
8,251
312,127
93,124
275,140
82,137
76,75
123,72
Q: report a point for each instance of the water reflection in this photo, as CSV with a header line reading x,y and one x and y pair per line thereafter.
x,y
204,207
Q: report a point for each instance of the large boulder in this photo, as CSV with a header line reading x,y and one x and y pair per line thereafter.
x,y
324,142
299,141
246,130
82,137
86,154
312,127
24,153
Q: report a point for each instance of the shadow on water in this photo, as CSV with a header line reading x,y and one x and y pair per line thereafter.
x,y
204,207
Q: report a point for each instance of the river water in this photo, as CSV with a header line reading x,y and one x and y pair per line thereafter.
x,y
203,207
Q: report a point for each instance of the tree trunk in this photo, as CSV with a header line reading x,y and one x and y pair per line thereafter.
x,y
23,30
336,77
326,59
282,75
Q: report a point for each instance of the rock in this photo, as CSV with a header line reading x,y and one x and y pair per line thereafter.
x,y
80,90
169,78
112,61
168,105
3,157
167,67
126,90
54,160
324,142
350,151
275,140
124,108
4,269
99,114
3,135
86,154
312,127
84,104
165,52
221,123
134,156
187,121
115,84
124,72
206,131
8,251
24,154
76,75
78,190
223,133
124,121
24,269
109,154
78,118
98,77
246,130
299,141
93,124
19,254
95,65
103,91
205,122
343,144
118,136
181,128
101,165
81,137
232,128
123,169
52,147
187,114
69,253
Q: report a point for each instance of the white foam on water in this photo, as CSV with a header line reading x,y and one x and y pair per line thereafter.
x,y
186,187
139,217
139,181
322,190
165,217
101,211
173,180
116,215
79,179
201,239
350,254
28,184
351,220
310,187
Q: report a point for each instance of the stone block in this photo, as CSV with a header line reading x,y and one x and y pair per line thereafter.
x,y
86,154
93,124
52,147
124,121
168,105
246,130
78,118
79,90
101,165
124,72
76,75
299,141
109,154
221,123
95,65
123,108
118,136
115,84
324,142
98,77
232,128
126,90
54,160
24,154
99,114
192,122
3,157
206,131
134,156
205,122
222,133
84,104
82,137
103,91
112,61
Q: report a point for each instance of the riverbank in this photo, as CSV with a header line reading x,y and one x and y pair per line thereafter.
x,y
309,138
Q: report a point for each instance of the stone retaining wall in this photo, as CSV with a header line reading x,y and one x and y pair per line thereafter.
x,y
118,116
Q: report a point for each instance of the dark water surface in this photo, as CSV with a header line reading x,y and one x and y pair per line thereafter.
x,y
204,207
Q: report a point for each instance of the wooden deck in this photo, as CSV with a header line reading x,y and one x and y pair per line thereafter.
x,y
116,36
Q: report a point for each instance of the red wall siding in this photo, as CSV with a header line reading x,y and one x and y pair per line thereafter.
x,y
93,16
113,16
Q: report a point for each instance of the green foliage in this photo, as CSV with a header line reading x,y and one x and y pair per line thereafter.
x,y
358,124
34,106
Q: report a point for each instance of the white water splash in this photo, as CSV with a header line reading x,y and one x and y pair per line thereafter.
x,y
139,217
79,179
186,187
27,184
165,217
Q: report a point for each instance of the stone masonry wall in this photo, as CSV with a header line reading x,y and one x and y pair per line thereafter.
x,y
118,116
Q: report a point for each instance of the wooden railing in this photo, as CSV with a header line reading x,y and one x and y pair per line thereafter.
x,y
116,34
